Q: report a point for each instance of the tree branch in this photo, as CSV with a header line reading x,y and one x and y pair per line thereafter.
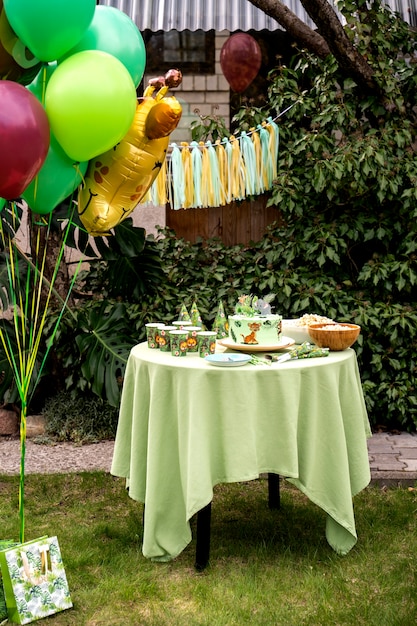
x,y
348,58
305,36
330,37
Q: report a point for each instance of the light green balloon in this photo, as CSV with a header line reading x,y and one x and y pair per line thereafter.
x,y
90,102
57,179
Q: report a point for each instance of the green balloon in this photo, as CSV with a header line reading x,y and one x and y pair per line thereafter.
x,y
90,103
114,32
57,179
49,27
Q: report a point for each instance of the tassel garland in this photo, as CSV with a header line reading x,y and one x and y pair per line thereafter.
x,y
203,174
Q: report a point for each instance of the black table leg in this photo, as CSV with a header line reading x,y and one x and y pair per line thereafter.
x,y
202,552
274,498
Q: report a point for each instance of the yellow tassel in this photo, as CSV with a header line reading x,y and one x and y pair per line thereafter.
x,y
188,175
236,170
273,146
206,182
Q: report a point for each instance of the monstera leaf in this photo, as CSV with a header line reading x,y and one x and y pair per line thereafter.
x,y
133,266
104,347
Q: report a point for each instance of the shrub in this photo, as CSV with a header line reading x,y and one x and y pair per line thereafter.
x,y
83,418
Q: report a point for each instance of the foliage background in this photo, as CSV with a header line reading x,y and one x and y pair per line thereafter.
x,y
345,243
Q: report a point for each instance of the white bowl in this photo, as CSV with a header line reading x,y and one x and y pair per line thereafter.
x,y
298,333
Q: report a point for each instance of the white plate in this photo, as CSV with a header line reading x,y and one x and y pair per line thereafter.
x,y
285,342
228,360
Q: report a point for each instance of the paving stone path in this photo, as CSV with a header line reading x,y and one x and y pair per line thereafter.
x,y
392,458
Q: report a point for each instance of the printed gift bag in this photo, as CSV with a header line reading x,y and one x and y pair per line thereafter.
x,y
3,608
34,580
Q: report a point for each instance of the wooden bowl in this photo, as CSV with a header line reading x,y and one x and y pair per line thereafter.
x,y
340,337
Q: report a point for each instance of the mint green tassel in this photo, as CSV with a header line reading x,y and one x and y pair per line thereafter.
x,y
215,174
248,151
177,178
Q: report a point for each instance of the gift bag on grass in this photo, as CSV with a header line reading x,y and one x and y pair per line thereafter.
x,y
34,580
5,543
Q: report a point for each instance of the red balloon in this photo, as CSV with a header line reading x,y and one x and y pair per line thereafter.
x,y
240,60
24,138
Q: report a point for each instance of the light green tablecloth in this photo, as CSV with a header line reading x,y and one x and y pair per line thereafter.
x,y
186,425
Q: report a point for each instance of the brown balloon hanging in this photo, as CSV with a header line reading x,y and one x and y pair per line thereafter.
x,y
240,60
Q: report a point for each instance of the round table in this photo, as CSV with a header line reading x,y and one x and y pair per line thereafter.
x,y
186,425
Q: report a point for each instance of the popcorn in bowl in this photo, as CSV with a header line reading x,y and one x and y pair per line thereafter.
x,y
297,329
312,318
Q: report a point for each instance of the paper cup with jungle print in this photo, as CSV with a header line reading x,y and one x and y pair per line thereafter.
x,y
165,339
206,342
192,341
178,340
152,333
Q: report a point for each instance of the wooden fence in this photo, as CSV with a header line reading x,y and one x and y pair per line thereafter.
x,y
235,223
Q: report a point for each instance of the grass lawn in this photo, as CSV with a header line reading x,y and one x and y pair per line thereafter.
x,y
268,568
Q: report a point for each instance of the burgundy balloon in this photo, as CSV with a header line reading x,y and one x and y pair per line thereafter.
x,y
24,138
240,60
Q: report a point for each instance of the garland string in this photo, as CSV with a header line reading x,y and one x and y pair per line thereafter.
x,y
206,174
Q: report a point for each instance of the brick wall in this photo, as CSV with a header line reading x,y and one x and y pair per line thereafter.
x,y
210,94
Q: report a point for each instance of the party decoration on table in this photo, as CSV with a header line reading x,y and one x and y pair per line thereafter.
x,y
16,60
184,315
221,324
250,305
304,351
308,351
114,32
90,101
49,27
117,180
195,315
34,580
240,60
24,131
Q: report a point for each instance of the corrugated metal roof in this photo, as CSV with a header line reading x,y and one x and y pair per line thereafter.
x,y
220,15
206,15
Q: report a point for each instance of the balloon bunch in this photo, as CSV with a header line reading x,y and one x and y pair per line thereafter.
x,y
68,76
